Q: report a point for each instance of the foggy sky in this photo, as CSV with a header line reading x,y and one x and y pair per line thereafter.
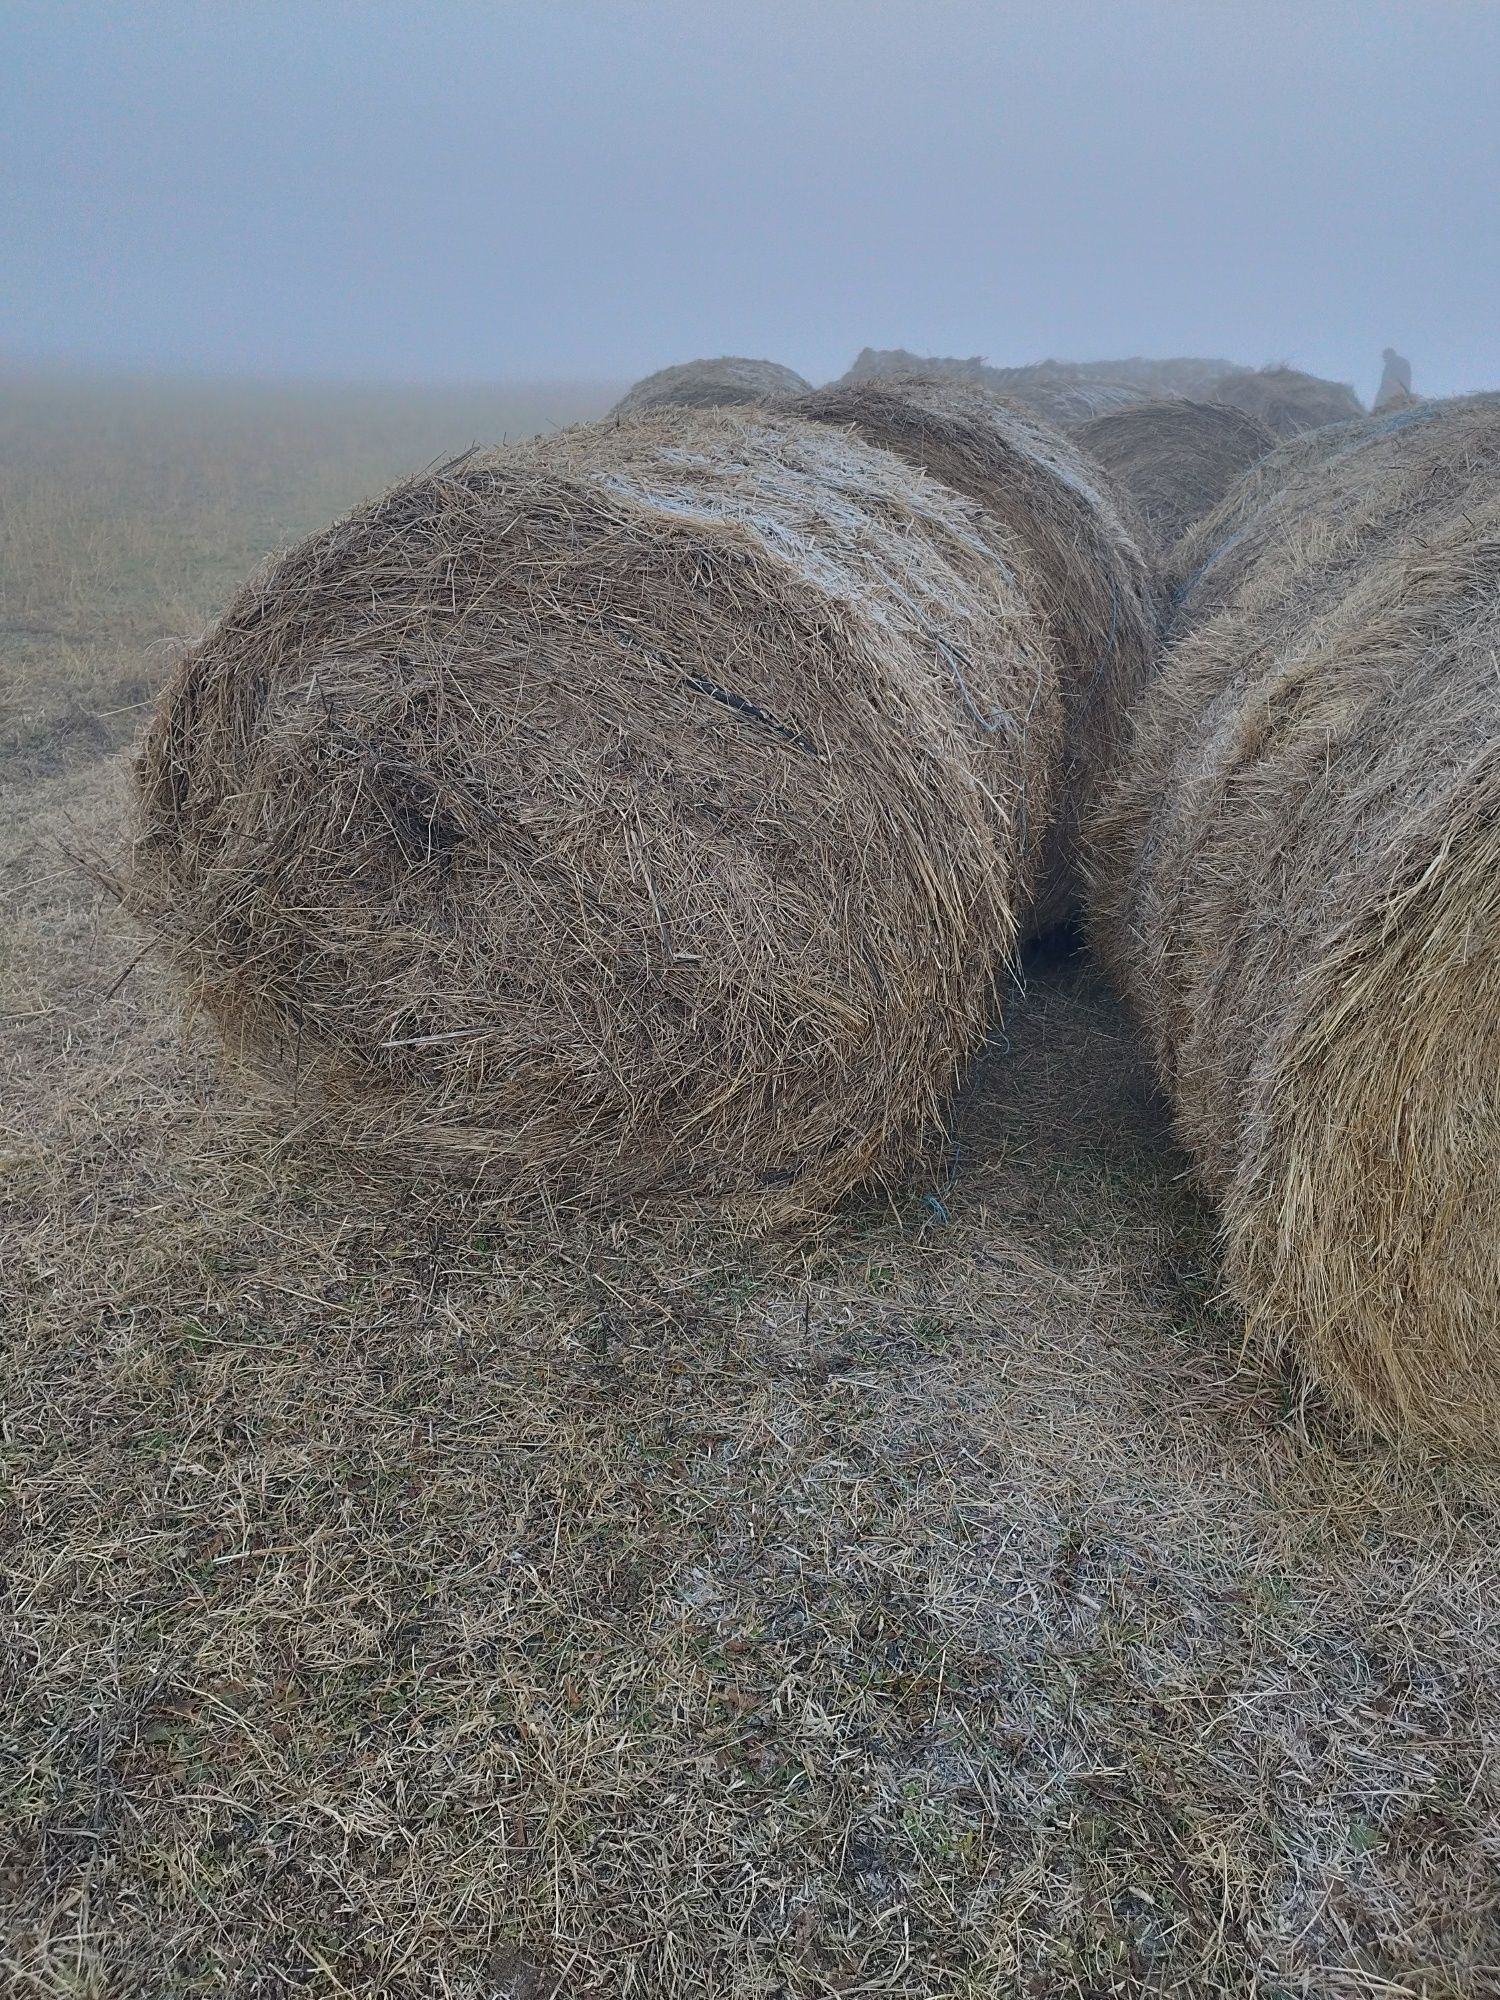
x,y
552,188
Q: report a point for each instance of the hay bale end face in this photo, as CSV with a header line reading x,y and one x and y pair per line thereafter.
x,y
1175,459
1298,881
1072,552
1286,400
711,385
604,820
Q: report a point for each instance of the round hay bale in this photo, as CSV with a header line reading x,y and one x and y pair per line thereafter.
x,y
1286,400
635,814
1074,553
1065,395
1175,459
871,363
1362,467
1174,375
1297,879
1180,375
711,385
1064,400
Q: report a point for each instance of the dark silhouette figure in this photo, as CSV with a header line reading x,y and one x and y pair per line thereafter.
x,y
1395,383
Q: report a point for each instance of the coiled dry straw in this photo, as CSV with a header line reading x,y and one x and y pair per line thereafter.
x,y
1298,880
1174,459
1286,400
711,384
634,814
1078,558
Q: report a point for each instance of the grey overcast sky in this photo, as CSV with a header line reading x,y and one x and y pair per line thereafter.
x,y
549,188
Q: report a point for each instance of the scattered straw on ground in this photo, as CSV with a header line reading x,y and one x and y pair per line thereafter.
x,y
400,1608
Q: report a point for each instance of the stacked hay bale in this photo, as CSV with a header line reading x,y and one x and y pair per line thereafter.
x,y
871,363
1298,882
1066,394
711,385
1286,400
1211,561
639,813
1079,560
1150,378
1172,375
1064,400
1175,459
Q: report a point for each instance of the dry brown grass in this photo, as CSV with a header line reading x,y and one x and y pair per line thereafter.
x,y
129,510
1175,459
398,1607
637,816
1300,885
710,385
1076,557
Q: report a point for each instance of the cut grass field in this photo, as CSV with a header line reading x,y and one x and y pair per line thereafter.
x,y
399,1607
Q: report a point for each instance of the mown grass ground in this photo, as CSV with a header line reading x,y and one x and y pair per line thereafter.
x,y
398,1606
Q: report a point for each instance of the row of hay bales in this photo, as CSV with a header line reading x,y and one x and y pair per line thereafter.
x,y
647,813
1143,378
650,811
1068,394
1297,882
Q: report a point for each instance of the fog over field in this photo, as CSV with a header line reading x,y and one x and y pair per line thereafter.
x,y
471,192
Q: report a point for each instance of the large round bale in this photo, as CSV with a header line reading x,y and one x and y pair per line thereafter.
x,y
1175,459
1074,553
711,385
1066,395
1064,400
1175,375
1171,375
1286,400
1386,473
636,814
871,363
1179,375
1297,878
